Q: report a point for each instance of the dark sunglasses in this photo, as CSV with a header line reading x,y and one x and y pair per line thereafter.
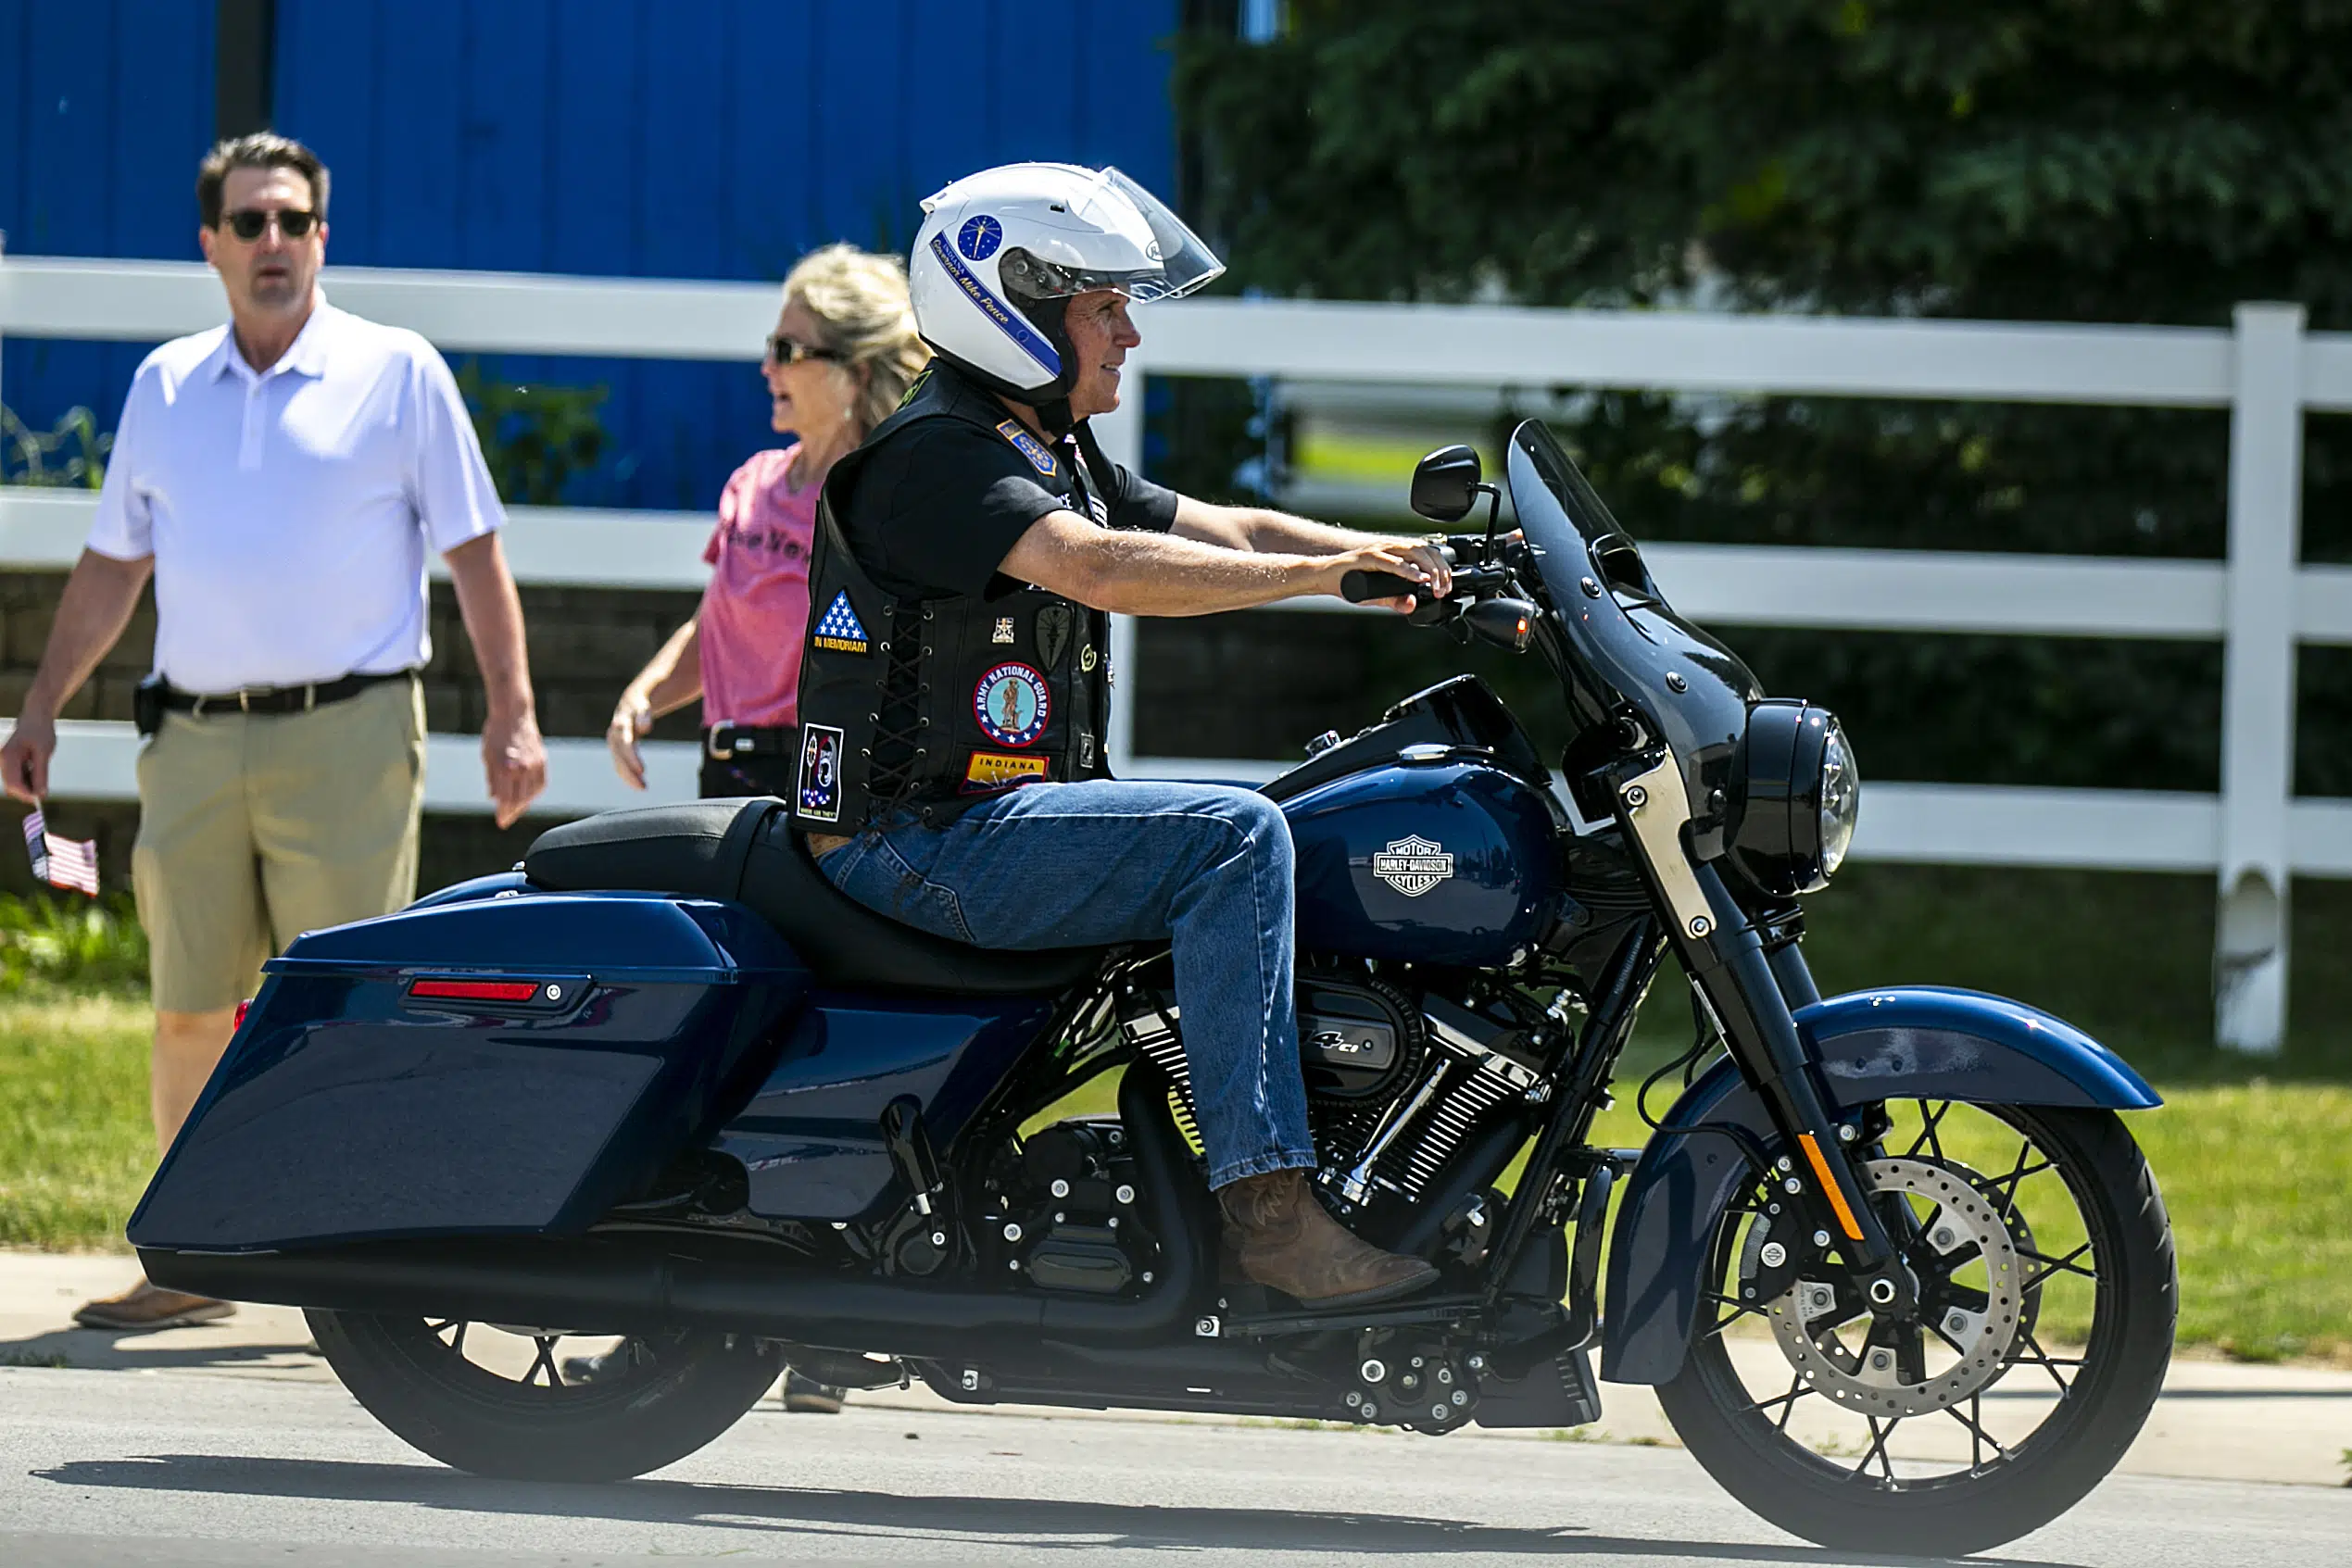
x,y
294,223
785,351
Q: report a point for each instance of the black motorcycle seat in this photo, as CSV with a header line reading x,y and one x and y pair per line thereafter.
x,y
744,849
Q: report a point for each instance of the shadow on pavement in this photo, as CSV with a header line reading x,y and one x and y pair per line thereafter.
x,y
1041,1523
100,1350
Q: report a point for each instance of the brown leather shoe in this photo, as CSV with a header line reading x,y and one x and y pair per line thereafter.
x,y
145,1307
1287,1242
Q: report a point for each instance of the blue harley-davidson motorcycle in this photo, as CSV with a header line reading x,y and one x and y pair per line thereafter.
x,y
664,1093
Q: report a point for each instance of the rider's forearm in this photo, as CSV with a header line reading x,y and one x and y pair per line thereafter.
x,y
100,594
1264,531
673,677
1282,533
1163,574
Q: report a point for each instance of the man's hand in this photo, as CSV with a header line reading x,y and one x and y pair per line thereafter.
x,y
1414,558
24,761
515,760
631,721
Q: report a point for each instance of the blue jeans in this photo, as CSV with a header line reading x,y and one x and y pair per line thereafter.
x,y
1075,865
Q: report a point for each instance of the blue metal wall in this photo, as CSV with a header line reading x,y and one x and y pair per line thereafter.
x,y
104,106
635,137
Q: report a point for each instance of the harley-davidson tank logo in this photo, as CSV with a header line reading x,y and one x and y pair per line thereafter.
x,y
1413,865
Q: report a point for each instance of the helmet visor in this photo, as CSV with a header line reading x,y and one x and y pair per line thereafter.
x,y
1186,263
1183,262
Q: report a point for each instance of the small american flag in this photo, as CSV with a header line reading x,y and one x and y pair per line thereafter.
x,y
61,862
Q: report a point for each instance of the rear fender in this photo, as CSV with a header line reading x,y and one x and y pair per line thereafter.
x,y
1926,1042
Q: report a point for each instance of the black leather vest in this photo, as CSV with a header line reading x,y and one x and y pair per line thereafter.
x,y
938,703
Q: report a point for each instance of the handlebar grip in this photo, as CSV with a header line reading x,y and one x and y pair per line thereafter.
x,y
1357,586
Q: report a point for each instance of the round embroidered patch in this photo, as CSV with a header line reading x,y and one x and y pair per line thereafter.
x,y
979,237
1012,704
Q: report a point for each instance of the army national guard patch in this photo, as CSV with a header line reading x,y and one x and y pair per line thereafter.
x,y
839,630
1012,704
991,770
820,793
1413,865
1028,445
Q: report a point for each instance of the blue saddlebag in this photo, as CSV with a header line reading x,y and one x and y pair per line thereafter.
x,y
499,1066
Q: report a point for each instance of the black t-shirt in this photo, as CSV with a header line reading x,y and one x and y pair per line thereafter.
x,y
938,504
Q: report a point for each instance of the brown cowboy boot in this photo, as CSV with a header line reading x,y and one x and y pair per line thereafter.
x,y
1286,1242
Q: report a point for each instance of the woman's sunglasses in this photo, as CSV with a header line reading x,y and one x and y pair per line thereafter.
x,y
785,351
294,223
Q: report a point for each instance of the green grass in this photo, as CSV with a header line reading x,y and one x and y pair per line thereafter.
x,y
75,1145
2255,1157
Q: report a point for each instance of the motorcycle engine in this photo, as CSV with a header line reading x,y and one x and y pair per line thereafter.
x,y
1065,1214
1395,1080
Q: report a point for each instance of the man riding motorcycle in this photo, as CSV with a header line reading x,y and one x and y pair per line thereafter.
x,y
955,683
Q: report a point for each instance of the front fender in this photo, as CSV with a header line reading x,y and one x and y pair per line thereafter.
x,y
1905,1042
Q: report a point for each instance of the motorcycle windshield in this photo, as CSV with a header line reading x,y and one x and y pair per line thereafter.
x,y
1623,637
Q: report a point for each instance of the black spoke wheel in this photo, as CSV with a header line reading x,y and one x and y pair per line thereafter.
x,y
2048,1252
544,1404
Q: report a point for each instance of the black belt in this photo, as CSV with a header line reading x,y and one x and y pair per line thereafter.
x,y
275,699
724,743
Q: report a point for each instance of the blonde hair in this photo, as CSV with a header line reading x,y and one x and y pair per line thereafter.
x,y
859,301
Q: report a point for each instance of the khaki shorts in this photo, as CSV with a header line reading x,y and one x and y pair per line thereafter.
x,y
254,829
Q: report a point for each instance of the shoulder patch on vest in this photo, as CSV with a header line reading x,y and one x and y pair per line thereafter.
x,y
1029,445
839,630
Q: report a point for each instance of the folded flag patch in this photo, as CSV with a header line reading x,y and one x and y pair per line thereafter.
x,y
61,862
839,630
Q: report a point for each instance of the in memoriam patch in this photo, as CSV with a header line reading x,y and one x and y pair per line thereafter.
x,y
839,630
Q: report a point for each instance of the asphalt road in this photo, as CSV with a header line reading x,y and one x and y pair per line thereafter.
x,y
108,1468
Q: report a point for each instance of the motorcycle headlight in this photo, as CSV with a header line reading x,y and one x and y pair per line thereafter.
x,y
1795,794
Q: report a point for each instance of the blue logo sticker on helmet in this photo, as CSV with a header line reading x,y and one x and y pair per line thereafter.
x,y
1011,324
979,237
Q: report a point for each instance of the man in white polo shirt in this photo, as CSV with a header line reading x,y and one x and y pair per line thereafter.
x,y
281,478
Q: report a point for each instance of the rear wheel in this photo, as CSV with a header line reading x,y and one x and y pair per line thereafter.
x,y
494,1400
2048,1298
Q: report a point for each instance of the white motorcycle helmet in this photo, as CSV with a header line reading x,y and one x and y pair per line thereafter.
x,y
1001,252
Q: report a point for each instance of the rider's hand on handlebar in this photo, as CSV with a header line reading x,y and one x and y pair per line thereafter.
x,y
1415,559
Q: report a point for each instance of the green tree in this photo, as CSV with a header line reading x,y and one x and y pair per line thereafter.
x,y
2108,160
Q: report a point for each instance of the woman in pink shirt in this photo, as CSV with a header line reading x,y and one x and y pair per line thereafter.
x,y
843,354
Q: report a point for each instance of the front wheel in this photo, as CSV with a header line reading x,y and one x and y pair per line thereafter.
x,y
2047,1302
495,1400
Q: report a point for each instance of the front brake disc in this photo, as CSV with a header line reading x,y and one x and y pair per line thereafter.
x,y
1964,1227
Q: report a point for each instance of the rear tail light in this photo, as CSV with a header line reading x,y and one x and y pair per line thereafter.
x,y
243,1008
475,990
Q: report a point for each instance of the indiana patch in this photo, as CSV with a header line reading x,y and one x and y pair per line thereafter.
x,y
1012,704
991,770
839,630
1029,446
819,798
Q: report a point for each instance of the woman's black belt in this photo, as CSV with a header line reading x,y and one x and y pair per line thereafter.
x,y
272,699
725,743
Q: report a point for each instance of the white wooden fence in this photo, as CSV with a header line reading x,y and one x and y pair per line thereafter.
x,y
2260,602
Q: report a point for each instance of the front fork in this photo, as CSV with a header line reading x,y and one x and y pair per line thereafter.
x,y
1750,992
1753,996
